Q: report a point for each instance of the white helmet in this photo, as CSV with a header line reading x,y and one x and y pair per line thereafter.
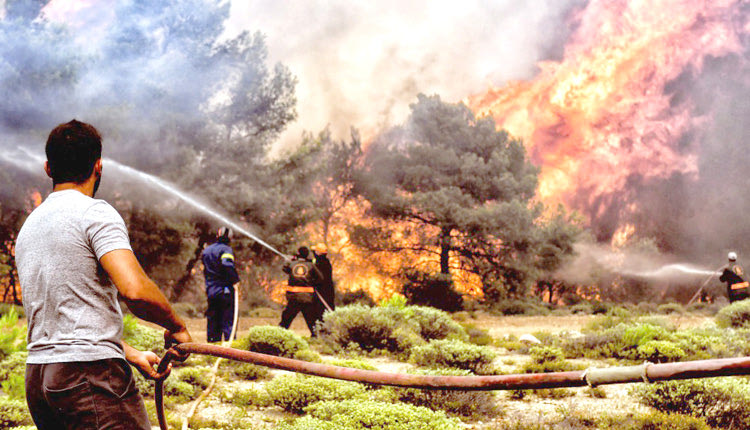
x,y
732,256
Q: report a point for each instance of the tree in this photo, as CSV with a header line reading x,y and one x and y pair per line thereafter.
x,y
463,190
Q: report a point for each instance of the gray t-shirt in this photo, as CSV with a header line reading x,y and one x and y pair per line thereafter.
x,y
71,304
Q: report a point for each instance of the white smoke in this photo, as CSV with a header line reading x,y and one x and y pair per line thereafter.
x,y
361,63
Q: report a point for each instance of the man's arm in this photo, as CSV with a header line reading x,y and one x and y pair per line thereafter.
x,y
142,295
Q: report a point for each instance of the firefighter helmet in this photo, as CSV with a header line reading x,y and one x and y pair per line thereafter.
x,y
224,234
732,256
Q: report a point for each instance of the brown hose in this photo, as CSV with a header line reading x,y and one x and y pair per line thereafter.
x,y
647,372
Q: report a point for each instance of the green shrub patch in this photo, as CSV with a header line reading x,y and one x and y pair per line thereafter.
x,y
721,402
294,392
272,340
362,414
736,315
454,354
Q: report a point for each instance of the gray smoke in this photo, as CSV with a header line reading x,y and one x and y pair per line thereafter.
x,y
361,63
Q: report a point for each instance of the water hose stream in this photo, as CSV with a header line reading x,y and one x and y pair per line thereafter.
x,y
647,372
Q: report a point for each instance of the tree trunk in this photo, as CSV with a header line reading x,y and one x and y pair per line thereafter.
x,y
181,283
445,249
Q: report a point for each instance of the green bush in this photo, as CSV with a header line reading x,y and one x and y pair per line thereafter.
x,y
14,413
195,376
476,335
454,354
244,397
735,315
520,307
272,340
654,420
13,364
721,402
660,351
545,359
177,391
473,404
353,364
369,330
359,414
357,297
294,392
436,324
141,337
246,371
670,308
582,308
12,334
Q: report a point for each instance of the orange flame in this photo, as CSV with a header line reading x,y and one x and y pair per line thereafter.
x,y
603,113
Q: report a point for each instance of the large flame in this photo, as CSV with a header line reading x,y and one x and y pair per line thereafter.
x,y
604,113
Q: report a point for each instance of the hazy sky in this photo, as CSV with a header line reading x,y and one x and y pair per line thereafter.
x,y
360,63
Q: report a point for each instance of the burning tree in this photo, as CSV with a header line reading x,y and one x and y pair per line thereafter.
x,y
468,190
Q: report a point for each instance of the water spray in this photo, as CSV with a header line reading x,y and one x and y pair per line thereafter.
x,y
670,270
160,184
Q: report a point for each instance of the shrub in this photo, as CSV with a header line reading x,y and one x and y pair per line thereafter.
x,y
473,404
520,307
476,335
179,391
12,334
735,315
654,420
454,354
721,402
244,397
582,308
358,297
272,340
359,414
545,359
361,328
13,364
353,364
645,308
436,324
670,308
141,337
246,371
15,386
14,413
434,290
294,392
196,376
660,351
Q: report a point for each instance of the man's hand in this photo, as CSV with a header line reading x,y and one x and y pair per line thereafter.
x,y
145,361
174,338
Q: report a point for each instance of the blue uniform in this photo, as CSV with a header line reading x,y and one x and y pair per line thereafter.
x,y
221,275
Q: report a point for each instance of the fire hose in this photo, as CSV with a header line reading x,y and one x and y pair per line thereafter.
x,y
646,372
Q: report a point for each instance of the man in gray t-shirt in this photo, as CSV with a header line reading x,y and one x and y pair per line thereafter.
x,y
74,259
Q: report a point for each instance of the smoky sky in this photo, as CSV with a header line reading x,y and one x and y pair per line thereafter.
x,y
131,67
362,63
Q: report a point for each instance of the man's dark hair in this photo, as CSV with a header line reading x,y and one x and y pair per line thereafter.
x,y
72,150
303,252
224,235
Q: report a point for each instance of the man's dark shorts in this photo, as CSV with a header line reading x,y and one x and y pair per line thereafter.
x,y
85,395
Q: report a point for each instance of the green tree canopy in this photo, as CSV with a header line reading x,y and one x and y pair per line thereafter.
x,y
467,189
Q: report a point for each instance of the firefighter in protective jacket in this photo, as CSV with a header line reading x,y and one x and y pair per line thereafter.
x,y
300,291
734,276
221,275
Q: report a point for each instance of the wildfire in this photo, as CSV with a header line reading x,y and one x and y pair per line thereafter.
x,y
604,112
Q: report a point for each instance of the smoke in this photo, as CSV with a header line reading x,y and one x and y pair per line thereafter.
x,y
361,63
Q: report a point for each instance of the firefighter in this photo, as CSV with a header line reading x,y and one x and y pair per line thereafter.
x,y
325,287
221,276
300,291
734,276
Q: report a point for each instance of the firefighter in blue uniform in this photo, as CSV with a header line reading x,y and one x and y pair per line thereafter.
x,y
733,274
300,291
221,275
